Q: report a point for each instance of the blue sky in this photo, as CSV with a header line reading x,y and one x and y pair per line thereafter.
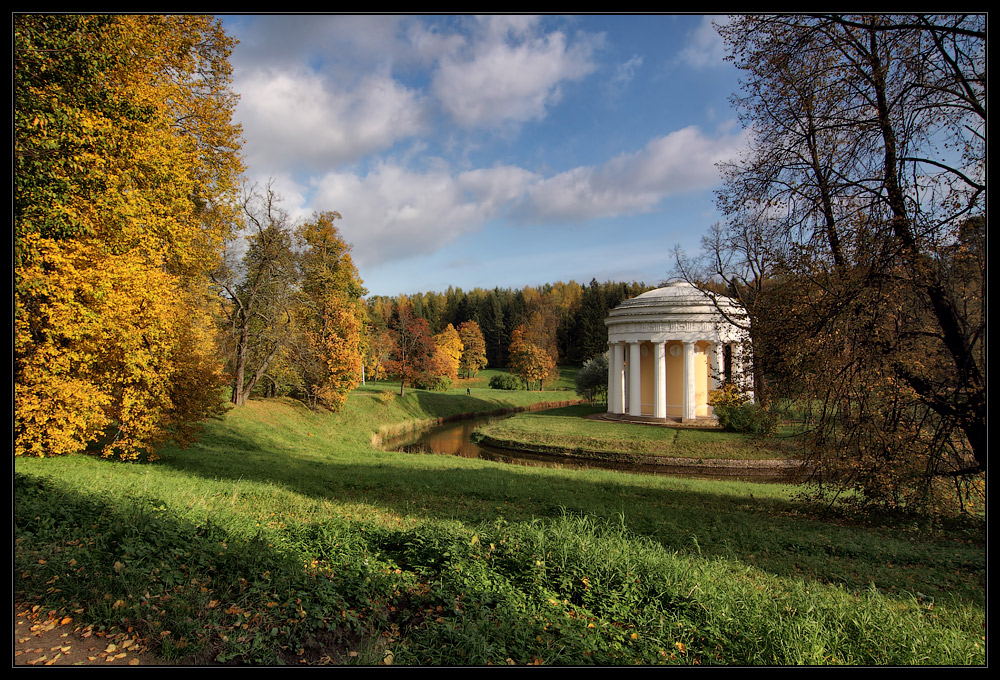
x,y
491,151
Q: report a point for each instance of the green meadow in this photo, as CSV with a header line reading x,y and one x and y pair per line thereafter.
x,y
284,536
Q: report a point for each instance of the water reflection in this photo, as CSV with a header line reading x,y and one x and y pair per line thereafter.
x,y
454,439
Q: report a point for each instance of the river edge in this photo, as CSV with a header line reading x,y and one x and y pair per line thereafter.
x,y
720,466
780,465
398,429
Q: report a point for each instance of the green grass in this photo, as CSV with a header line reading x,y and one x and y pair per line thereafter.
x,y
567,429
284,536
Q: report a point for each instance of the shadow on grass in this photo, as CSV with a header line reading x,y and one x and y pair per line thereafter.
x,y
777,535
195,592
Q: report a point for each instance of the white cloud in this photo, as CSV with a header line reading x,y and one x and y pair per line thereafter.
x,y
624,73
509,73
291,118
393,213
632,183
705,47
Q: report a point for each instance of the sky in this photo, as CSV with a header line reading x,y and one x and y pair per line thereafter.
x,y
491,151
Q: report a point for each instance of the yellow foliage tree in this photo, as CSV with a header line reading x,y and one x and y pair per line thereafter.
x,y
337,346
117,357
332,312
528,361
125,161
473,348
449,352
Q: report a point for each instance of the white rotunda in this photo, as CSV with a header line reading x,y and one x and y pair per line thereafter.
x,y
667,349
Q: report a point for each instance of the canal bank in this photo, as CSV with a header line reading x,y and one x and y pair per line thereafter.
x,y
461,437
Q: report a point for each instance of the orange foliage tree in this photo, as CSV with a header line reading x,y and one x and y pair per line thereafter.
x,y
332,312
413,348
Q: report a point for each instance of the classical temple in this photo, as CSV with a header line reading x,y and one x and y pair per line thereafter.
x,y
667,349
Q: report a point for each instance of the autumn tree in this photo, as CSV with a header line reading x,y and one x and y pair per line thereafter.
x,y
413,348
528,361
448,353
332,312
379,348
868,159
473,357
125,163
740,262
259,291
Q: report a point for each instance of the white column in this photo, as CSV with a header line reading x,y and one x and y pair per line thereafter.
x,y
660,390
634,381
611,377
616,385
689,384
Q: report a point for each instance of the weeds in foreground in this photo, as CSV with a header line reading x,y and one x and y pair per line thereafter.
x,y
570,589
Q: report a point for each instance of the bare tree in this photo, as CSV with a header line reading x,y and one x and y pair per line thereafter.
x,y
859,196
259,288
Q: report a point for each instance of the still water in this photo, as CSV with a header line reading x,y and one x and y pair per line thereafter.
x,y
454,439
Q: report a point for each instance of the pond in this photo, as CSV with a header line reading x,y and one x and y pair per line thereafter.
x,y
454,439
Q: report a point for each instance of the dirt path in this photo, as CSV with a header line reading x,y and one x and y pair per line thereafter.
x,y
43,639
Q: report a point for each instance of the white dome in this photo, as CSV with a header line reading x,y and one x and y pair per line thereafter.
x,y
678,311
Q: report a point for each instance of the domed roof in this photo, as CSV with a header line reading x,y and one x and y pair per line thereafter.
x,y
678,309
677,294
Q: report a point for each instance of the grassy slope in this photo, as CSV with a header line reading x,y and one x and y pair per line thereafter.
x,y
413,544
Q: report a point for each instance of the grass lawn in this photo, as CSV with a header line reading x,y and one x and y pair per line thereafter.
x,y
284,536
567,429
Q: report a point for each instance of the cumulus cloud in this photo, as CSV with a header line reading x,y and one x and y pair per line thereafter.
x,y
510,72
393,213
295,117
632,183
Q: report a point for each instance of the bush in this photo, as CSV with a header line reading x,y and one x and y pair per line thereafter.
x,y
592,380
427,381
736,413
505,381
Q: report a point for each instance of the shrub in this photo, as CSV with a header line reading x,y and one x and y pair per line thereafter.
x,y
386,396
505,381
592,380
428,381
736,413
